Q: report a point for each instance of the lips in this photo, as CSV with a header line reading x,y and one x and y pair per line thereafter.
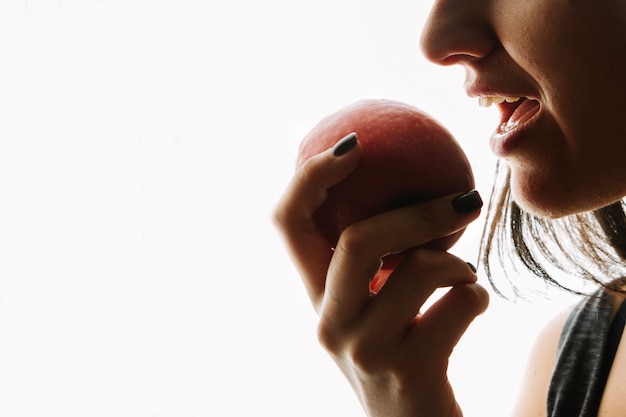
x,y
516,114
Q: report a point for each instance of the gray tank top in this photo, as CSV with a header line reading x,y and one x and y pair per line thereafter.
x,y
584,357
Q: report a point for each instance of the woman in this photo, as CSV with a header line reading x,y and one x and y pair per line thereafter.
x,y
555,68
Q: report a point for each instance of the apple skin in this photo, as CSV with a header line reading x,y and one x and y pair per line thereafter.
x,y
407,158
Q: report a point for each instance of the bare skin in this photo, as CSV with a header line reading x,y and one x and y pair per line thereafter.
x,y
569,158
566,58
394,355
534,392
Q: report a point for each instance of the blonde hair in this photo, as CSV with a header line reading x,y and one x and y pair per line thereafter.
x,y
587,247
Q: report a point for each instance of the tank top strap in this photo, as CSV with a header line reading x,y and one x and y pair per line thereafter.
x,y
613,339
585,355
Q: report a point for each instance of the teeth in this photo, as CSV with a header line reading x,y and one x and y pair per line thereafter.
x,y
489,100
508,126
485,101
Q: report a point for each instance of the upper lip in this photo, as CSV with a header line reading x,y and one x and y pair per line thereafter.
x,y
478,90
497,93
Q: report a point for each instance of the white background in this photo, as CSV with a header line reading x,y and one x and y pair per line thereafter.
x,y
143,145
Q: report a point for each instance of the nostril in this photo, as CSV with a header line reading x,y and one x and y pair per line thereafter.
x,y
454,35
457,47
458,59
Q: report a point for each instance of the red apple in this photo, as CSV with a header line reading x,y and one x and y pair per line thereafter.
x,y
408,157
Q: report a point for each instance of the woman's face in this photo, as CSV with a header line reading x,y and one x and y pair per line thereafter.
x,y
565,60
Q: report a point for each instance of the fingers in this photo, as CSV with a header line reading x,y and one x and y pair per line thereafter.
x,y
340,278
293,215
447,320
398,230
360,247
395,307
390,332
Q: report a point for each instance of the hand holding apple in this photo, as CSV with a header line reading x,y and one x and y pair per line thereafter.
x,y
407,158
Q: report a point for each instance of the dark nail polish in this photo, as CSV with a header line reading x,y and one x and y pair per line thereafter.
x,y
471,266
468,202
345,145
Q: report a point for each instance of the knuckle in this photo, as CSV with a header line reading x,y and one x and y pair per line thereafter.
x,y
356,238
477,298
358,244
279,217
364,358
284,220
352,349
329,338
307,169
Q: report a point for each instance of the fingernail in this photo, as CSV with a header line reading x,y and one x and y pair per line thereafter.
x,y
471,266
468,202
345,145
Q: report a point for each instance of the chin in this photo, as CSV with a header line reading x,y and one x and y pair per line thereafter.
x,y
542,201
554,204
543,210
530,197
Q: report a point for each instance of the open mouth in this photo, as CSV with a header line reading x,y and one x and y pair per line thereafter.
x,y
515,111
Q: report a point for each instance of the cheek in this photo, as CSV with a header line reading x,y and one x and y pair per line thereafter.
x,y
563,168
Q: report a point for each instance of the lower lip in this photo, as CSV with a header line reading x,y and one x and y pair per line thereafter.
x,y
504,143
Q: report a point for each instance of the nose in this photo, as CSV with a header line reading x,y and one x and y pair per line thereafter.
x,y
457,32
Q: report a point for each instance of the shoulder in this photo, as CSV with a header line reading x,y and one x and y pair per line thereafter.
x,y
532,399
534,389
